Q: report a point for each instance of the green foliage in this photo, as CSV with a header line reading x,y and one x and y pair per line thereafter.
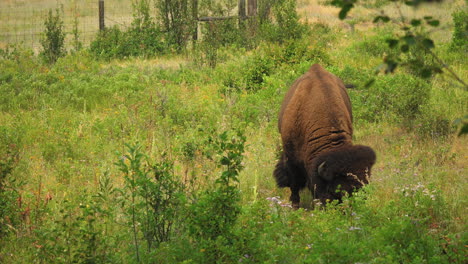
x,y
413,39
137,41
164,195
77,44
143,38
252,74
460,30
109,43
217,35
76,234
155,200
398,96
463,123
256,69
412,51
54,36
282,24
10,145
374,46
176,20
358,78
214,213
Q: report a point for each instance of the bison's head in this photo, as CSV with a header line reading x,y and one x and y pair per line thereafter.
x,y
343,170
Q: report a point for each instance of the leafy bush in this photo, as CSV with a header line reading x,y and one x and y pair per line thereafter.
x,y
109,44
54,37
176,20
460,30
293,52
218,34
114,43
9,156
142,38
214,213
282,23
374,46
77,233
154,201
257,68
353,76
398,96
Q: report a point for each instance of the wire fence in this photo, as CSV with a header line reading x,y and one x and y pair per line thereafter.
x,y
22,21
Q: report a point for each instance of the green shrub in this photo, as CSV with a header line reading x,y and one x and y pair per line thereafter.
x,y
108,43
176,19
54,38
322,35
213,215
155,197
257,68
398,97
353,76
114,43
216,35
374,46
460,30
283,23
10,144
142,38
293,52
77,233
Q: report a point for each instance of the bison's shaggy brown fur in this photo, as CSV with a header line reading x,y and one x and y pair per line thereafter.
x,y
315,123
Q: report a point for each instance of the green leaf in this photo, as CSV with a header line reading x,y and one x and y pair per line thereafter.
x,y
426,73
428,43
404,48
384,19
434,23
391,66
344,11
415,22
369,83
392,43
463,130
409,39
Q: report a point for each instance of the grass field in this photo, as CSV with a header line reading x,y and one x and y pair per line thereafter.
x,y
79,189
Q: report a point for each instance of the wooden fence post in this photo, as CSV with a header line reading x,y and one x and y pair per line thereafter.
x,y
195,20
252,7
101,15
241,14
242,10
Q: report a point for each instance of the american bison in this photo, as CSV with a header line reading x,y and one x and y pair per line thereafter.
x,y
315,123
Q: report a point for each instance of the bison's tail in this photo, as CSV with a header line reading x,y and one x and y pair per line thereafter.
x,y
281,172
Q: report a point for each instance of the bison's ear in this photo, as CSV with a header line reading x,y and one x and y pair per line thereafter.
x,y
323,172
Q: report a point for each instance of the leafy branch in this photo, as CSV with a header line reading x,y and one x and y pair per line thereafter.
x,y
414,38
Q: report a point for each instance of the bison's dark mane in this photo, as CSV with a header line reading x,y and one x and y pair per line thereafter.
x,y
348,159
281,173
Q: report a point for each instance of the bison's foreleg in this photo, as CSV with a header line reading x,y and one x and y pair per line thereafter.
x,y
295,198
298,182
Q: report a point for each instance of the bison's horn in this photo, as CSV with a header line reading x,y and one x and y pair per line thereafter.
x,y
321,172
